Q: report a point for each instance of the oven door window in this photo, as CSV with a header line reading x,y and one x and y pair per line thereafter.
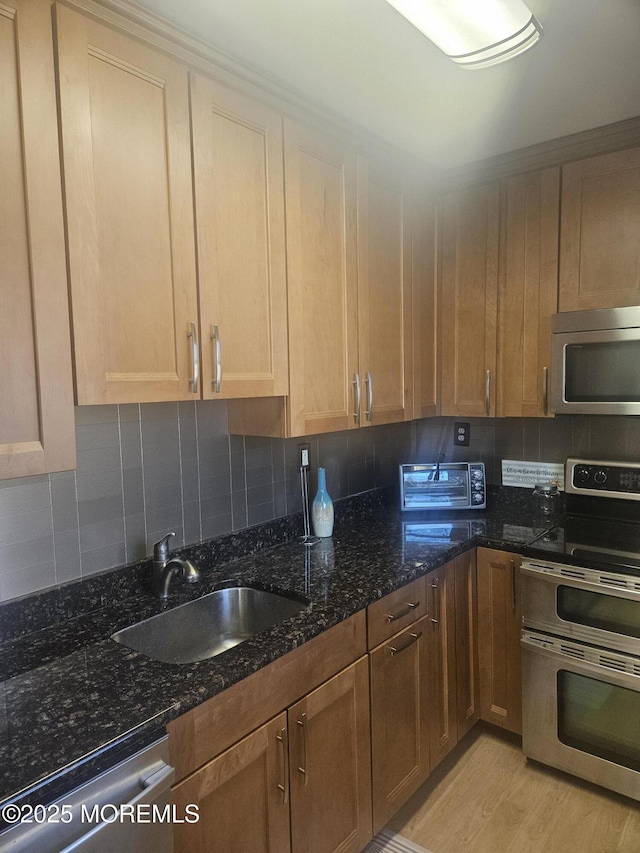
x,y
599,718
597,610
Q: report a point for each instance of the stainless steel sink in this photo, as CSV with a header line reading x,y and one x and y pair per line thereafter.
x,y
209,625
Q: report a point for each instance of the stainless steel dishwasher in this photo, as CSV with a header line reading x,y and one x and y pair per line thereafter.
x,y
97,816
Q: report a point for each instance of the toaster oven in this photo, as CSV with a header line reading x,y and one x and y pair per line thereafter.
x,y
443,485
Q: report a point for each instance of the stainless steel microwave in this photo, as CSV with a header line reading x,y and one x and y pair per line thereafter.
x,y
443,485
595,362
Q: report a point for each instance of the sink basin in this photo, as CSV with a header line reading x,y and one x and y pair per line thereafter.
x,y
209,625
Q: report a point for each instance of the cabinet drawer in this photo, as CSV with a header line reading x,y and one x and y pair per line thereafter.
x,y
395,611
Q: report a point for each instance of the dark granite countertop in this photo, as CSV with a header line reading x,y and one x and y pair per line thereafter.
x,y
73,702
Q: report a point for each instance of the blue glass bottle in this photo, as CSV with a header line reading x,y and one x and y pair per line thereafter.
x,y
322,508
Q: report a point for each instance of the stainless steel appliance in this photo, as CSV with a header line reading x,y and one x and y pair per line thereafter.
x,y
594,358
442,485
97,817
581,632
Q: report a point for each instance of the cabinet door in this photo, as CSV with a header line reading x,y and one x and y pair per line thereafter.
x,y
599,246
330,761
384,292
499,621
425,338
466,642
528,293
242,798
399,719
239,200
127,172
443,734
36,413
320,192
468,294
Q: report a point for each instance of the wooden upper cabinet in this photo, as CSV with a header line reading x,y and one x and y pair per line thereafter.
x,y
468,298
528,292
599,245
425,337
320,191
36,412
124,111
384,292
239,203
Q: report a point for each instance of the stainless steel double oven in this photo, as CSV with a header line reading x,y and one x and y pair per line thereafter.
x,y
581,633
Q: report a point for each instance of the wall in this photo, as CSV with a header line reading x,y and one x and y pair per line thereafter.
x,y
149,469
145,470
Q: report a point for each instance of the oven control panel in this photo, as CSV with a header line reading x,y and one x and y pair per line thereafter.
x,y
606,479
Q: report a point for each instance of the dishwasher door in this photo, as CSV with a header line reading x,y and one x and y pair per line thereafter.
x,y
92,820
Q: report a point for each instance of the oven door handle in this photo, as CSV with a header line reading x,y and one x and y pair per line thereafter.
x,y
612,589
586,667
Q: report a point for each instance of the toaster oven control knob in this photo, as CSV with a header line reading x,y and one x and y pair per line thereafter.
x,y
600,477
477,497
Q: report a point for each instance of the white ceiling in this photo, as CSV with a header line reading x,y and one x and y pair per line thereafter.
x,y
364,61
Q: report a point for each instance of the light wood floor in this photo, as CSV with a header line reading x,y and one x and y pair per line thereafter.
x,y
487,798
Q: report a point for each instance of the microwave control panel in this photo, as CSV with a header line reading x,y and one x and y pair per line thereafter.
x,y
607,479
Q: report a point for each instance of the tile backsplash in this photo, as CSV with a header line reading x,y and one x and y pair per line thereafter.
x,y
146,469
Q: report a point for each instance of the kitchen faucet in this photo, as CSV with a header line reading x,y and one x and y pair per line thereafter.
x,y
164,569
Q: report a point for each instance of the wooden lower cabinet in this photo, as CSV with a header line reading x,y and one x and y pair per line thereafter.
x,y
399,718
468,712
242,797
499,621
301,782
443,729
330,765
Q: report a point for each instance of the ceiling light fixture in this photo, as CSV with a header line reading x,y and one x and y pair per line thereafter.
x,y
474,33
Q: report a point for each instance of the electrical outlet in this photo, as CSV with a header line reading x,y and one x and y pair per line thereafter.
x,y
304,454
461,434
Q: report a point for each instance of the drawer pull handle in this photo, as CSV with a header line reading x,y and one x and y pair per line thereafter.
x,y
356,386
487,393
436,602
301,722
217,363
410,605
412,639
195,359
369,384
284,787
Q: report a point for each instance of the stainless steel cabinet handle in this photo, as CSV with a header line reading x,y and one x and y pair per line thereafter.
x,y
284,787
195,358
304,770
545,390
356,385
409,606
369,382
217,364
513,584
436,602
412,639
487,392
